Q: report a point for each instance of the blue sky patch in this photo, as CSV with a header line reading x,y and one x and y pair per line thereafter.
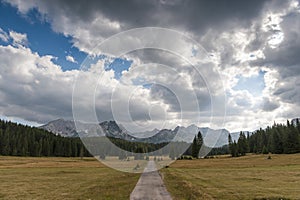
x,y
254,84
118,65
41,38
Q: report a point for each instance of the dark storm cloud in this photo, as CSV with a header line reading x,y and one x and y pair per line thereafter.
x,y
287,53
285,60
192,15
187,14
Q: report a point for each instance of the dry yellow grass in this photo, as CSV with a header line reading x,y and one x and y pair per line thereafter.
x,y
62,178
249,177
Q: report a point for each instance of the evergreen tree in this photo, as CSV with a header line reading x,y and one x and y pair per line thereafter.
x,y
199,141
195,150
235,150
196,145
298,125
230,143
242,144
233,147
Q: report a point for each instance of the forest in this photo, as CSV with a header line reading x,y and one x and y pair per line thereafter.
x,y
21,140
277,139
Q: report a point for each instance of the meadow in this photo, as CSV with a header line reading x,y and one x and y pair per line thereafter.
x,y
62,178
248,177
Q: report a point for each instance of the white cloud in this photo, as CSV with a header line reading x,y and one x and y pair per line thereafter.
x,y
71,59
258,36
3,36
18,38
32,87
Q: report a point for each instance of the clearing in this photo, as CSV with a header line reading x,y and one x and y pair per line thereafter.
x,y
248,177
62,178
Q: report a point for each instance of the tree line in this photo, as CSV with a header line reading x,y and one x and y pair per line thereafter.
x,y
20,140
277,139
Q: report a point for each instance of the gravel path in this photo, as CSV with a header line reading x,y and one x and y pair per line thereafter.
x,y
150,185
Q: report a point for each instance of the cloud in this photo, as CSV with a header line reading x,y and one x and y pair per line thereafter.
x,y
35,89
283,61
32,87
241,38
97,20
269,105
3,36
71,59
18,38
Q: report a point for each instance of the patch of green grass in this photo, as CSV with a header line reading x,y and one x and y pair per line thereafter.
x,y
249,177
62,178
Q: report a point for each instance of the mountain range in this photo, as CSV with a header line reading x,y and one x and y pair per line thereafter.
x,y
67,128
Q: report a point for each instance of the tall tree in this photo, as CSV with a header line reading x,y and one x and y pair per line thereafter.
x,y
195,150
242,144
196,145
231,146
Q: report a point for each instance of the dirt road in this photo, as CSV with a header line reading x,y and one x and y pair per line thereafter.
x,y
150,185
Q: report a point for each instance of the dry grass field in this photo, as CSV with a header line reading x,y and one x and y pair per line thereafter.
x,y
249,177
62,178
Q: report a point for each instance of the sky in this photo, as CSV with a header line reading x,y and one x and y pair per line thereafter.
x,y
220,64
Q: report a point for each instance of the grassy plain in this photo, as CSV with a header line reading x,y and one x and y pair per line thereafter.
x,y
249,177
62,178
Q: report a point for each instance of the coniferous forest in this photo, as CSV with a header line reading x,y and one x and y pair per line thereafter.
x,y
278,139
20,140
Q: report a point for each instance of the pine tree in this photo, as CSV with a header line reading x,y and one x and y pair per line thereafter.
x,y
195,150
298,125
231,146
199,142
196,145
235,149
242,144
